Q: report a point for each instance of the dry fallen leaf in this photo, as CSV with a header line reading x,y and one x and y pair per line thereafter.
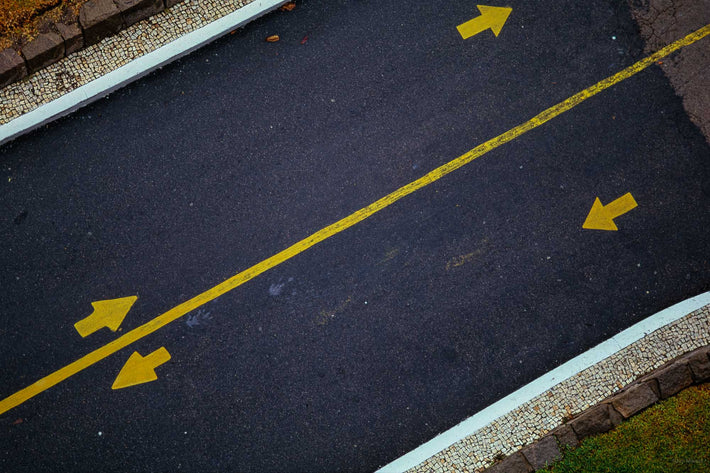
x,y
288,6
17,422
273,38
305,38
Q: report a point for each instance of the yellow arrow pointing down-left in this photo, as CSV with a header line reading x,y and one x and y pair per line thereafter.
x,y
140,369
601,217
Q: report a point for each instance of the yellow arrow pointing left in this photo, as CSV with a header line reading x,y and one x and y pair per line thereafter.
x,y
140,369
109,313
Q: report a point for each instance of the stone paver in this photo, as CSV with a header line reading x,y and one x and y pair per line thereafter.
x,y
513,464
634,400
542,453
674,378
699,363
12,67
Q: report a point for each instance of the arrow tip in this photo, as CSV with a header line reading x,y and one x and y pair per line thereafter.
x,y
140,369
109,313
495,16
599,218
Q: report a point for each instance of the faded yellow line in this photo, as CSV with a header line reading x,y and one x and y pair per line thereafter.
x,y
337,227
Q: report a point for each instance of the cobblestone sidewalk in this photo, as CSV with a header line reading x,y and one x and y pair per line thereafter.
x,y
88,64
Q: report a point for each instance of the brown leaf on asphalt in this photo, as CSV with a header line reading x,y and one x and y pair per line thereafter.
x,y
288,6
273,38
305,38
17,422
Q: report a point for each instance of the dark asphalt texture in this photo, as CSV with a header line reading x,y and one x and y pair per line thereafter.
x,y
369,344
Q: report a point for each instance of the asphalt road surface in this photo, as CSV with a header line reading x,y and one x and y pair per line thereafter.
x,y
359,349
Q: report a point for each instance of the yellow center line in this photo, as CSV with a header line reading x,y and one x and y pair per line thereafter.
x,y
337,227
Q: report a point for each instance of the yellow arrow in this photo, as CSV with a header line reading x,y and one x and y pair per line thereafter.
x,y
140,369
601,217
108,313
491,17
62,374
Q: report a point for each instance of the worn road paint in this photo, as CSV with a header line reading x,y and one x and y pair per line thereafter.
x,y
237,280
140,369
601,217
108,314
491,17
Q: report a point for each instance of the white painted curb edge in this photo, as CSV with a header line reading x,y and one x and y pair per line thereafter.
x,y
134,70
545,382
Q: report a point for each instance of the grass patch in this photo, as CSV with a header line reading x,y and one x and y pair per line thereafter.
x,y
673,436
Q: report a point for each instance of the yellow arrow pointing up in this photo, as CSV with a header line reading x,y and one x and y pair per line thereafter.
x,y
491,17
140,369
601,217
109,313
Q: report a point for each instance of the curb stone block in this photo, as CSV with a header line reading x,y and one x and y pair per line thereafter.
x,y
699,364
12,67
542,453
42,51
653,384
134,11
673,378
515,463
99,19
614,417
565,436
595,420
633,400
71,32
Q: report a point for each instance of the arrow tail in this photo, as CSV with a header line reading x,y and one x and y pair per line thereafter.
x,y
621,205
158,357
472,27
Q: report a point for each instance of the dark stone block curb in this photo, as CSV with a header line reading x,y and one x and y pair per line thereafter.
x,y
542,453
515,463
637,398
663,382
12,67
97,20
134,11
595,420
71,33
42,51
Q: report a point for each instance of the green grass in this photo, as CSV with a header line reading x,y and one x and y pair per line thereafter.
x,y
671,437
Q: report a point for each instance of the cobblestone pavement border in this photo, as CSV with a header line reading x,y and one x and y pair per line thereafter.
x,y
668,380
546,404
97,70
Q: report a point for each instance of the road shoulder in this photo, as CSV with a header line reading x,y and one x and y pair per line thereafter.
x,y
537,409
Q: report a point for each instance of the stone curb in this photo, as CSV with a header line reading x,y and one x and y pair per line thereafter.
x,y
689,369
97,19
